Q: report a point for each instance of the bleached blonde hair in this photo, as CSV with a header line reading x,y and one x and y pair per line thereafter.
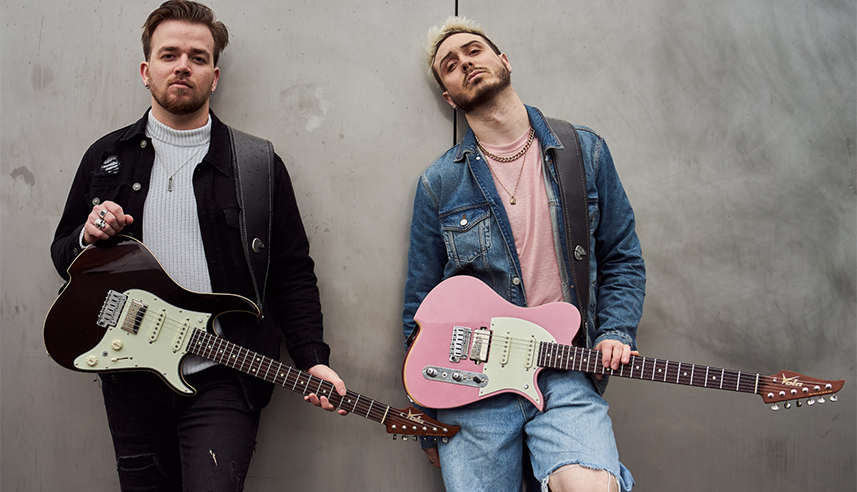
x,y
453,25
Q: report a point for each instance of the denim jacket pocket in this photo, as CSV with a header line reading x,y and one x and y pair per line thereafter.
x,y
467,233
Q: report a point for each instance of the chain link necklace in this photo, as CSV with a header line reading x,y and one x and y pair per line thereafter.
x,y
510,158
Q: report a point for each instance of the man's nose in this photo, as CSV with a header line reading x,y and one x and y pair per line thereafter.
x,y
184,65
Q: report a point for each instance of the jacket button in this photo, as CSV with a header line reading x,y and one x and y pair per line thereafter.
x,y
96,201
136,186
143,144
463,222
516,281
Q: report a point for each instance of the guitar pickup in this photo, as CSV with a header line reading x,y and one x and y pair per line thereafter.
x,y
481,345
135,315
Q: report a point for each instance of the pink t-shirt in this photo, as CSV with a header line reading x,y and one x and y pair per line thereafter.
x,y
529,217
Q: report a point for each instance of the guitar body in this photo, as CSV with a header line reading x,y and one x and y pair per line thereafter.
x,y
453,361
75,340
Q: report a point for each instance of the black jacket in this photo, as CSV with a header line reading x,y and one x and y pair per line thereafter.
x,y
292,308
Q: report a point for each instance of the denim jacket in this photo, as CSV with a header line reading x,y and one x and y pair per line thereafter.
x,y
459,185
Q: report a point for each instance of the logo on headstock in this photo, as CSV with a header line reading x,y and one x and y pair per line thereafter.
x,y
792,381
416,417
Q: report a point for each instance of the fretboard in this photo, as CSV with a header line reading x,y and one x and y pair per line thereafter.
x,y
247,361
556,356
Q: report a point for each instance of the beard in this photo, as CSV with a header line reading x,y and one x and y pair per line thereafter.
x,y
178,103
484,92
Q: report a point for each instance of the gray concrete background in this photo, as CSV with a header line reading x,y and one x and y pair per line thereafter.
x,y
733,126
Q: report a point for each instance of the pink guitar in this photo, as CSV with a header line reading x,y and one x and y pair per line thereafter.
x,y
473,344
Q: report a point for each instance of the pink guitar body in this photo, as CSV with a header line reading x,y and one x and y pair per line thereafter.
x,y
453,361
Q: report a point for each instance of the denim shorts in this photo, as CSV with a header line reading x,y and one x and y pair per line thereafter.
x,y
486,453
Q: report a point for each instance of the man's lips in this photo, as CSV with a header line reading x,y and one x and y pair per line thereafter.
x,y
180,84
473,74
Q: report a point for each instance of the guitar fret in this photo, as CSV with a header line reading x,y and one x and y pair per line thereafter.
x,y
738,382
654,366
265,377
722,372
355,404
370,408
691,374
756,386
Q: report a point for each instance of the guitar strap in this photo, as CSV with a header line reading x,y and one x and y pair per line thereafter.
x,y
253,164
571,178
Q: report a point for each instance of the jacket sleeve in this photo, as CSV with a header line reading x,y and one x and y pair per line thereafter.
x,y
621,274
66,243
427,256
293,288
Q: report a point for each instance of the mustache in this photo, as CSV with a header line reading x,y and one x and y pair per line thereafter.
x,y
469,71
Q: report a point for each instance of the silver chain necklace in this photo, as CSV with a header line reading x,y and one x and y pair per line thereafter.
x,y
170,181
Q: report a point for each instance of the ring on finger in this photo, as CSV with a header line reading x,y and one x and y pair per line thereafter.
x,y
102,213
100,224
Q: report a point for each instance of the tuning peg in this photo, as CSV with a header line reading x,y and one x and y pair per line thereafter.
x,y
822,400
395,436
810,402
788,405
415,438
798,403
445,440
775,407
834,398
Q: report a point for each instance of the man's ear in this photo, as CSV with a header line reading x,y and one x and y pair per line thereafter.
x,y
144,72
216,78
449,100
506,62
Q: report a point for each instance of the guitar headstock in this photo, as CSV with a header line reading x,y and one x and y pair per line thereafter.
x,y
787,385
411,421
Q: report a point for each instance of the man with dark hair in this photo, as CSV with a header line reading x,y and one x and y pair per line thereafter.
x,y
492,207
169,180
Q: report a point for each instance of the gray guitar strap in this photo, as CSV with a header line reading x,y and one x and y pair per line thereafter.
x,y
571,177
253,164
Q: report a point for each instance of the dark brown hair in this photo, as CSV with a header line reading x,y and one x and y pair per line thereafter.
x,y
185,11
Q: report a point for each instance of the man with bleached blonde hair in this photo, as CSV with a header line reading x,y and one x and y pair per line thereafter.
x,y
492,208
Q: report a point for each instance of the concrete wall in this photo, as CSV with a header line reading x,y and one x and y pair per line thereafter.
x,y
733,128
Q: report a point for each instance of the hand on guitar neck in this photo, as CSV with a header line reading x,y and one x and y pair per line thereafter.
x,y
321,371
613,354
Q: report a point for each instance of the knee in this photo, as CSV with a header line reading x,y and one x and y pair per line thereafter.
x,y
577,478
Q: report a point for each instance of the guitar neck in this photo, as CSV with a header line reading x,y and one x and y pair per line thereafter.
x,y
566,357
224,352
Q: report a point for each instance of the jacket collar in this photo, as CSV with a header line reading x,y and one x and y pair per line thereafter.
x,y
546,136
219,154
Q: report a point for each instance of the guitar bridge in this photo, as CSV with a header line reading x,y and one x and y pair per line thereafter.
x,y
111,310
459,344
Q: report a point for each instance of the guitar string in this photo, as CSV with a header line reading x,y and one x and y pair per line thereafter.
x,y
731,379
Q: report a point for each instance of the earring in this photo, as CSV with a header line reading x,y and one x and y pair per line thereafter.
x,y
147,86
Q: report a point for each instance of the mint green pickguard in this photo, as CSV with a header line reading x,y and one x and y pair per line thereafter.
x,y
159,344
512,361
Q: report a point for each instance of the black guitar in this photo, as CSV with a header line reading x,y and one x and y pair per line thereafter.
x,y
122,312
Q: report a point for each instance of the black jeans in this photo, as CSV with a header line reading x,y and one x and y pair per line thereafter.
x,y
165,441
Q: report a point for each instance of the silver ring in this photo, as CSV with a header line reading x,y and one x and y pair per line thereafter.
x,y
100,224
102,213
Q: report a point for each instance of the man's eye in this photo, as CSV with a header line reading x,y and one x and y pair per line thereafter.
x,y
450,67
